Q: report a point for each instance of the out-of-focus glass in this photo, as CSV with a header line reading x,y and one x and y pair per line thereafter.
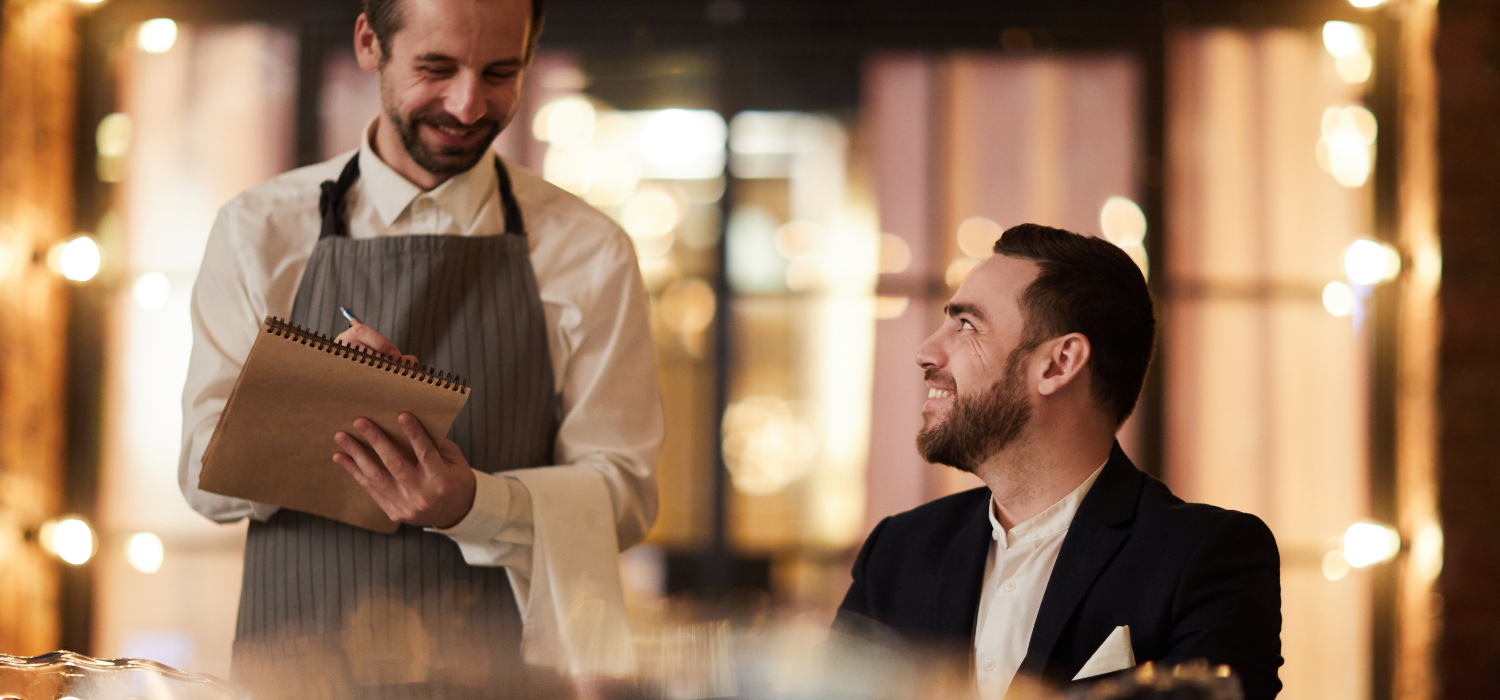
x,y
62,675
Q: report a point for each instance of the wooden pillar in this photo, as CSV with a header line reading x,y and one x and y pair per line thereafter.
x,y
37,77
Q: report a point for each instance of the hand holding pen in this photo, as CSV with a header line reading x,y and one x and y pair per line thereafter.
x,y
368,339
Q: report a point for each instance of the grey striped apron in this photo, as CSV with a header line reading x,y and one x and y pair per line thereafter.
x,y
331,610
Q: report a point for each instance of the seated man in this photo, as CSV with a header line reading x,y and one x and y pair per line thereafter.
x,y
1072,563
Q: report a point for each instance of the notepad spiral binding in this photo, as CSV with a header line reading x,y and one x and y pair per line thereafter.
x,y
283,329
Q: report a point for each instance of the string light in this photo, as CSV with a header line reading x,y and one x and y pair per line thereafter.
x,y
1338,299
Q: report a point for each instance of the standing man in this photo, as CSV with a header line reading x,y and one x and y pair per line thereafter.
x,y
511,524
1071,563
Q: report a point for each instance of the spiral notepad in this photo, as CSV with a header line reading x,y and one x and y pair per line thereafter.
x,y
274,440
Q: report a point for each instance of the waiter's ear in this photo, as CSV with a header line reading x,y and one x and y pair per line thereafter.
x,y
366,45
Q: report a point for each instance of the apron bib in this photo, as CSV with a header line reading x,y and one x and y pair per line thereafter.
x,y
331,610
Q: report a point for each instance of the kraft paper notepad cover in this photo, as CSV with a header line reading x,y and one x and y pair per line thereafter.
x,y
274,440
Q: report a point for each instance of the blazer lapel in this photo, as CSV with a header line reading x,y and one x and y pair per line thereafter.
x,y
960,579
1091,541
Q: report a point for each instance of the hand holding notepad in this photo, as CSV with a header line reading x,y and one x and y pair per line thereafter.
x,y
274,440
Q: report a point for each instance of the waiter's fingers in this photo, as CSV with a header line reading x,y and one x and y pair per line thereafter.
x,y
390,455
365,337
363,465
428,457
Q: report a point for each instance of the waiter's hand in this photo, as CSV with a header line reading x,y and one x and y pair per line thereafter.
x,y
366,338
436,491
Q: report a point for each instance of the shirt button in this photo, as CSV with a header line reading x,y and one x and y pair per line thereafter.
x,y
989,664
1009,586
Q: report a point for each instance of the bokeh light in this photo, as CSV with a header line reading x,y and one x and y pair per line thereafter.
x,y
156,35
77,259
1122,221
895,254
767,444
69,538
1369,263
1370,543
1338,299
977,236
567,121
145,552
1343,38
151,291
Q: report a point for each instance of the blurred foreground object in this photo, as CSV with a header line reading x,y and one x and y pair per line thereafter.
x,y
1190,680
63,674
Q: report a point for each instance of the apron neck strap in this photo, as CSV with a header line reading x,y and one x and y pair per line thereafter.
x,y
331,203
513,221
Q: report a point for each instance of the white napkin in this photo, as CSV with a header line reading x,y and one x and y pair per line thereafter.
x,y
1113,655
574,619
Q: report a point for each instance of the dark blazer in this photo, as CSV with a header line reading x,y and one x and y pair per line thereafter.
x,y
1192,581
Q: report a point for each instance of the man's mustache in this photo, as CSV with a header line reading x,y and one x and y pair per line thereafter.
x,y
446,120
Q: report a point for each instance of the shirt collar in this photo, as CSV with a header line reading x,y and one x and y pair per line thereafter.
x,y
461,196
1056,518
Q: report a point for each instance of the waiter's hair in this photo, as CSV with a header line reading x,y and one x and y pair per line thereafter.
x,y
385,20
1090,286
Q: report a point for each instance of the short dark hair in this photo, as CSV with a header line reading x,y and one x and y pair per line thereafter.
x,y
385,20
1088,285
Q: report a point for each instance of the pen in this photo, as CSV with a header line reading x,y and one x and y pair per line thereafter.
x,y
349,316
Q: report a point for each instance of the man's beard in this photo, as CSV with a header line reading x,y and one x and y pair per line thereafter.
x,y
979,426
441,160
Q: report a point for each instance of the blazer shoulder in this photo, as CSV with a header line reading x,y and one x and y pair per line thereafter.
x,y
1200,521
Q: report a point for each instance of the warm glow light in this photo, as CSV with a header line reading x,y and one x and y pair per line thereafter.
x,y
151,290
958,270
977,236
1347,148
1343,38
1335,566
1338,299
568,121
612,178
1365,4
1370,263
77,259
799,240
112,138
677,137
1122,222
157,35
887,308
895,254
767,444
688,306
69,538
650,213
1356,68
145,552
1370,543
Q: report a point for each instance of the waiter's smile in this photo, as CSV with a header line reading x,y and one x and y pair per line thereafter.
x,y
455,135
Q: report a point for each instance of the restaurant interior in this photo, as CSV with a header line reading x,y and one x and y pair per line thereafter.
x,y
1308,186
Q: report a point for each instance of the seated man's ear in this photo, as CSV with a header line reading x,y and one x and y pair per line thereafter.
x,y
1065,357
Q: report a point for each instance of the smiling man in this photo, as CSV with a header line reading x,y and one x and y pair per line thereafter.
x,y
512,523
1070,563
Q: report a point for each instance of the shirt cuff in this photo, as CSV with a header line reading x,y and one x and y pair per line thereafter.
x,y
490,514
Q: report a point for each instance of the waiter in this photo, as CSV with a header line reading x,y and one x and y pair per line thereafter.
x,y
507,555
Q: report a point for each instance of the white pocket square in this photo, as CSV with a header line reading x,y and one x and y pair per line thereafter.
x,y
1113,655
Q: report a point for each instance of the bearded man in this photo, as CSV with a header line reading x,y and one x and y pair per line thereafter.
x,y
511,525
1070,563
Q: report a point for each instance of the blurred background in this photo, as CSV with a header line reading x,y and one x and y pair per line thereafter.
x,y
806,182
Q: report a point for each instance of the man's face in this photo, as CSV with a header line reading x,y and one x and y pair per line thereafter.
x,y
978,391
453,77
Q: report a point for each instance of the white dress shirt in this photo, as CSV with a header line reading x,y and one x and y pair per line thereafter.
x,y
549,526
1015,579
